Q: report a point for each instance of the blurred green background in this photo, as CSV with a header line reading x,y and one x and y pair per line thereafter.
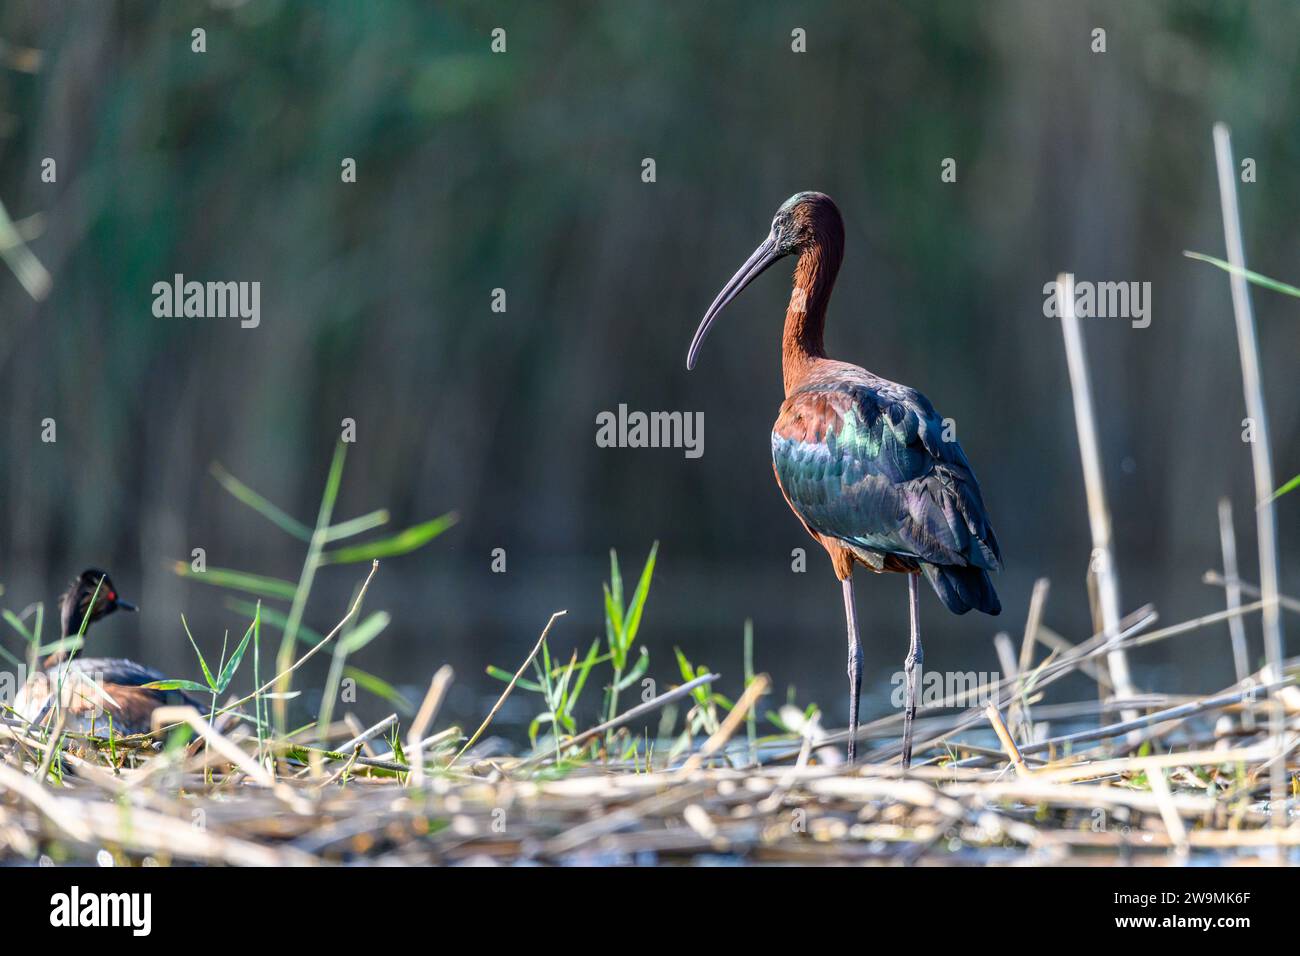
x,y
522,171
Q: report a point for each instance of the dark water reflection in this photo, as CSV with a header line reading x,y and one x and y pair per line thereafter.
x,y
449,612
470,619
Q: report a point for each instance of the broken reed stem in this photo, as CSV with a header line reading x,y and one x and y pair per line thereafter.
x,y
757,688
1260,453
1232,584
1055,642
1033,621
33,276
1179,712
1018,713
1006,653
367,735
509,687
1283,600
423,718
1049,672
1102,561
1008,744
231,752
1214,617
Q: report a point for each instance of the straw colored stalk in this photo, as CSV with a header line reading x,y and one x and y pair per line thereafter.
x,y
1103,560
1260,454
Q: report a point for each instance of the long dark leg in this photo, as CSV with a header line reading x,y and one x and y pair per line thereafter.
x,y
855,668
912,666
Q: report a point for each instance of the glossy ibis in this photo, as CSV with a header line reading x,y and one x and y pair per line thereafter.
x,y
93,688
871,469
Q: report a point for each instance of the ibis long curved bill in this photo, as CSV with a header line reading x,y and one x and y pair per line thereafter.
x,y
766,254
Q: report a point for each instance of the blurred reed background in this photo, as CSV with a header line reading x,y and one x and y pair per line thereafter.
x,y
522,171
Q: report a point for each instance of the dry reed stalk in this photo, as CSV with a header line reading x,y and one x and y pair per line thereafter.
x,y
1168,812
1008,744
1050,639
1284,601
1260,450
1193,758
756,689
370,733
509,687
223,746
1018,713
1102,561
26,267
1236,629
423,718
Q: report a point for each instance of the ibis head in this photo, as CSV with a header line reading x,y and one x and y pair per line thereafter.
x,y
805,223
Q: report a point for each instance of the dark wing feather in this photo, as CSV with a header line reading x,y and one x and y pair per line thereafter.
x,y
864,460
121,679
116,670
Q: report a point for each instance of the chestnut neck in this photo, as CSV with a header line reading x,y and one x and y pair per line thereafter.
x,y
805,317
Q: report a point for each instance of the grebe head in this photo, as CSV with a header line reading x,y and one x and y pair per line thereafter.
x,y
91,593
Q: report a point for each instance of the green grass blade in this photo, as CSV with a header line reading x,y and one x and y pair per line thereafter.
x,y
380,688
584,669
232,665
276,619
1255,277
354,526
401,543
309,637
1290,486
258,584
310,565
562,687
523,682
66,644
365,632
637,671
615,578
548,686
639,597
17,624
688,672
614,629
257,680
177,685
248,496
207,674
